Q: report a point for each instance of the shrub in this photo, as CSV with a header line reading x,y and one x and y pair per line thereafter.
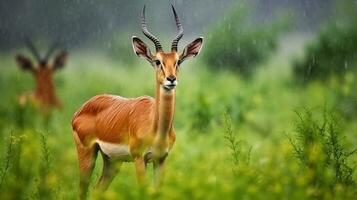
x,y
6,160
23,177
334,50
320,148
44,190
240,154
236,45
345,96
202,115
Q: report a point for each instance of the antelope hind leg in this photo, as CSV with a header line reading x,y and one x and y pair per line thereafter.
x,y
110,170
86,159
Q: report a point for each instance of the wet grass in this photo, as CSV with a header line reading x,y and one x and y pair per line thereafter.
x,y
236,138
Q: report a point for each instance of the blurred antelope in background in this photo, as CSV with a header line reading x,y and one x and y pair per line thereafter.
x,y
44,96
132,129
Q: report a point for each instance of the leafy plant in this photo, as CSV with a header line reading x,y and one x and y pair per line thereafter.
x,y
7,160
236,45
202,114
333,52
44,189
238,154
320,149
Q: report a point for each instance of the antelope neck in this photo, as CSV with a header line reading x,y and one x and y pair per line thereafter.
x,y
165,110
45,89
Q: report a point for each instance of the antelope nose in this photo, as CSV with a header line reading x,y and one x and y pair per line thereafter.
x,y
171,78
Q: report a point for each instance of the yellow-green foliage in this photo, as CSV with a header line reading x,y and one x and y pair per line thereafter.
x,y
39,162
321,149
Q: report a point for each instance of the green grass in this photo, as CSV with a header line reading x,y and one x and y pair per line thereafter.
x,y
40,162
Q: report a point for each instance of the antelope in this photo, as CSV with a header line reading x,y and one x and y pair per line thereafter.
x,y
44,96
138,130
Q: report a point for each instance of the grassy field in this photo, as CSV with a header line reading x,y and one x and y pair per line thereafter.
x,y
236,138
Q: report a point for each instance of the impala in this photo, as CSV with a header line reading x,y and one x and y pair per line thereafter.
x,y
138,129
44,96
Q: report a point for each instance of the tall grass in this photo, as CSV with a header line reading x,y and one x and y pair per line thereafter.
x,y
240,155
7,160
236,146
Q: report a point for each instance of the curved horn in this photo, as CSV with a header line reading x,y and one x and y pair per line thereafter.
x,y
179,31
148,34
33,49
50,51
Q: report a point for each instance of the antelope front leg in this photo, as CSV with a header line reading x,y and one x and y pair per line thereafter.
x,y
140,170
158,172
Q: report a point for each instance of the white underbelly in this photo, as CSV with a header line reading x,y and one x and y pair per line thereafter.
x,y
122,151
114,150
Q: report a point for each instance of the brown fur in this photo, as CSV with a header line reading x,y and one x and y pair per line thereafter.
x,y
45,90
44,97
134,121
119,120
144,124
115,119
141,123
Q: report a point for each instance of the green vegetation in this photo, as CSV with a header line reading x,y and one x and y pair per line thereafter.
x,y
240,45
332,58
262,137
231,134
323,155
333,53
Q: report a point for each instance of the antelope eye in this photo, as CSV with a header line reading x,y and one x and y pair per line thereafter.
x,y
157,62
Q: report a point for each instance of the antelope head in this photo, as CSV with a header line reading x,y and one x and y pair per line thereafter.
x,y
43,71
166,64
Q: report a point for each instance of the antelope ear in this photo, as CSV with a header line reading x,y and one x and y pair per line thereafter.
x,y
24,63
60,60
192,49
141,49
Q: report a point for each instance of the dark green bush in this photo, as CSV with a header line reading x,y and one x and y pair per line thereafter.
x,y
334,52
345,96
238,45
202,114
320,147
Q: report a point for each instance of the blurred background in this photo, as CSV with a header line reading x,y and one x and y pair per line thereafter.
x,y
268,110
77,23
